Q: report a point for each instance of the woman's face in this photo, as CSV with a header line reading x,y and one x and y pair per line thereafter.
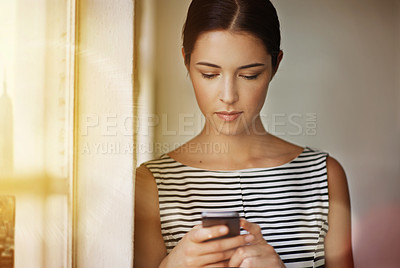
x,y
230,73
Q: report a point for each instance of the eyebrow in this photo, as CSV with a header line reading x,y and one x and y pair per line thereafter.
x,y
240,68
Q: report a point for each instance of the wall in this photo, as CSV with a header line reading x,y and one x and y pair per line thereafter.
x,y
104,137
29,50
398,62
171,80
144,77
337,90
341,63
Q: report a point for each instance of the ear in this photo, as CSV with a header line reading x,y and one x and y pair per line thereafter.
x,y
184,59
278,62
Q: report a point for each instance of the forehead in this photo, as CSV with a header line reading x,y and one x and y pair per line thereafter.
x,y
229,47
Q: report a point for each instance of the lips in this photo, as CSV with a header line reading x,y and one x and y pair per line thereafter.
x,y
228,116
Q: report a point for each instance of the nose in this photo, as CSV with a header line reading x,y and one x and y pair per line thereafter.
x,y
228,93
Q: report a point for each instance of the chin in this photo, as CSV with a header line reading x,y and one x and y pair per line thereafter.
x,y
231,130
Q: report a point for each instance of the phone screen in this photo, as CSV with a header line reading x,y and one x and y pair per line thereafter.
x,y
230,219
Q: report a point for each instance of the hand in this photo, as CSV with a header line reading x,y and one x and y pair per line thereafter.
x,y
194,251
258,253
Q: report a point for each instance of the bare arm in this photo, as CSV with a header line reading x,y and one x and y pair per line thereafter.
x,y
338,249
149,244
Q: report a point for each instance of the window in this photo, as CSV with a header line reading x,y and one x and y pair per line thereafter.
x,y
36,132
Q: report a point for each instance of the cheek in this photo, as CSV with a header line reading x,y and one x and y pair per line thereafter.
x,y
203,94
255,101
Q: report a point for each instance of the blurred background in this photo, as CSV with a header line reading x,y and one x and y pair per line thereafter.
x,y
35,124
91,89
62,64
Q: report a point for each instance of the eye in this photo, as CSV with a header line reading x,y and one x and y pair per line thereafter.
x,y
250,77
209,76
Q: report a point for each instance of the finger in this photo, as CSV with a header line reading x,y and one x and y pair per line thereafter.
x,y
242,253
253,229
249,226
200,234
261,262
249,262
218,259
219,264
198,226
210,259
224,244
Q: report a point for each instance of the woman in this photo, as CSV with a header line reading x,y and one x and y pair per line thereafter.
x,y
231,49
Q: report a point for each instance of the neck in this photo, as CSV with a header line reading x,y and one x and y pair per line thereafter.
x,y
244,144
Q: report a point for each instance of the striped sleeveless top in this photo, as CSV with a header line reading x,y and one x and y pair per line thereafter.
x,y
289,202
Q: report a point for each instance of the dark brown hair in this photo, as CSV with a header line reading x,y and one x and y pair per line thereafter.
x,y
257,17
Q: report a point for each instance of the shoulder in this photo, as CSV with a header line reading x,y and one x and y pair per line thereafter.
x,y
145,179
337,181
150,165
150,170
335,169
144,182
143,173
336,176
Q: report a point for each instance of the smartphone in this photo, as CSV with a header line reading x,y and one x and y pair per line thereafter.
x,y
230,219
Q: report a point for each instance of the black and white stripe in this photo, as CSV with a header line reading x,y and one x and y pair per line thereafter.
x,y
289,202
